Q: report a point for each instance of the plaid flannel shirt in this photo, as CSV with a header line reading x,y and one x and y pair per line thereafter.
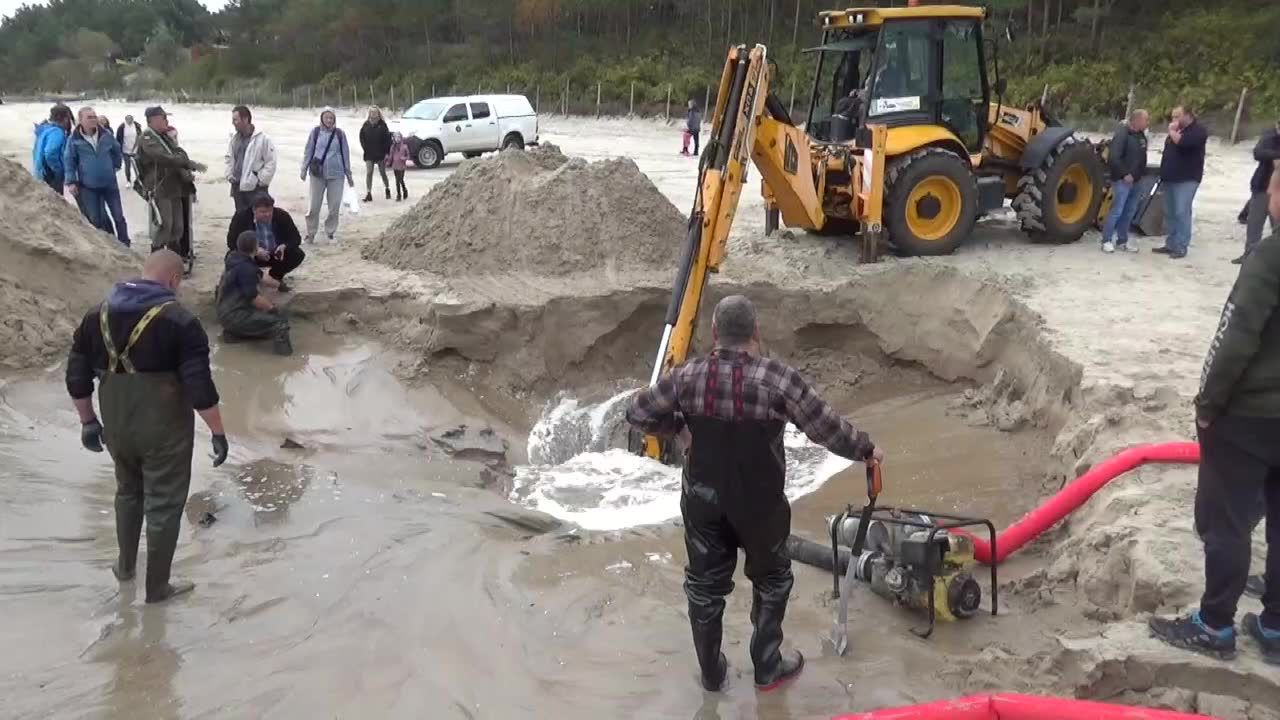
x,y
771,390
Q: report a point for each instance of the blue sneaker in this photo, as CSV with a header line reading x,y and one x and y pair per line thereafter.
x,y
1190,633
1267,638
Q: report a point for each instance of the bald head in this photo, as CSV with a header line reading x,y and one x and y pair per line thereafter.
x,y
165,267
1139,120
734,322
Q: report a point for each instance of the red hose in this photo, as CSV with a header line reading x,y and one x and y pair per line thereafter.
x,y
1005,706
1077,492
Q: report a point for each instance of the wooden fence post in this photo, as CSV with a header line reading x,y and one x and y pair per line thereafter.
x,y
566,97
598,99
1128,105
632,110
1044,95
791,109
372,100
537,99
355,97
1235,127
668,103
706,99
433,89
413,96
393,98
309,105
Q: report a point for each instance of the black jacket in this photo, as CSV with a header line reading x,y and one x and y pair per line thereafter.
x,y
375,140
281,222
1184,161
1242,371
173,342
1266,152
1127,154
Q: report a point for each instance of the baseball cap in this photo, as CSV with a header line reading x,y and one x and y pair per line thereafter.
x,y
155,110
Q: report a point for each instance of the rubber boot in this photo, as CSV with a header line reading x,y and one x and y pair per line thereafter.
x,y
281,343
162,542
368,197
768,608
713,664
388,190
128,533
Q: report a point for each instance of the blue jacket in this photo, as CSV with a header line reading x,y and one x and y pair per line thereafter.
x,y
47,154
94,169
337,163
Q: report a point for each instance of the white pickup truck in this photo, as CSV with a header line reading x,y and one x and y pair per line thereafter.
x,y
471,125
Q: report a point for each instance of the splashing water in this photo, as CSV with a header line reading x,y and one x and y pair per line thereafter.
x,y
576,472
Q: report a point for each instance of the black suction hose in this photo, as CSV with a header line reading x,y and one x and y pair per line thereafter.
x,y
815,554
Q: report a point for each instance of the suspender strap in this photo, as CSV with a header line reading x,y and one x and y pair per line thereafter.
x,y
737,391
121,359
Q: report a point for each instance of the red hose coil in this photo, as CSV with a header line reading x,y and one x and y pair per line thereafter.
x,y
1077,492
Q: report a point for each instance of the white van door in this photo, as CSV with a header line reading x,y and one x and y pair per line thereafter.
x,y
454,125
484,127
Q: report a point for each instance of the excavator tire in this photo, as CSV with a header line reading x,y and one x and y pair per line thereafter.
x,y
1058,201
931,202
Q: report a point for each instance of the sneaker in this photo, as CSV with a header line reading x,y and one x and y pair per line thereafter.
x,y
282,345
1176,255
1127,247
368,197
388,192
1108,247
1189,632
1255,586
1267,638
1161,251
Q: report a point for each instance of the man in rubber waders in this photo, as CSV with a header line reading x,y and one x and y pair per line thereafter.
x,y
1238,418
151,359
734,404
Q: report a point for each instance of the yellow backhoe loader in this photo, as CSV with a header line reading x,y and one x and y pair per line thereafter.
x,y
905,146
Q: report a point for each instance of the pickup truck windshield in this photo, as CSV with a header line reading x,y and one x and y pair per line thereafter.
x,y
425,110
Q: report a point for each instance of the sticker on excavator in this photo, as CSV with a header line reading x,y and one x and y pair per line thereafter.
x,y
884,106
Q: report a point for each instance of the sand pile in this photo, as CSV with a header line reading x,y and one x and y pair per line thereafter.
x,y
53,267
537,212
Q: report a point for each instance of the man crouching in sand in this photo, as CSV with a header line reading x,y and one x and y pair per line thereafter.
x,y
243,312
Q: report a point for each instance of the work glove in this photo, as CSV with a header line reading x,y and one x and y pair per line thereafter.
x,y
91,435
220,449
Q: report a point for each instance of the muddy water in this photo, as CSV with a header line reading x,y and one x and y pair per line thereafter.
x,y
365,574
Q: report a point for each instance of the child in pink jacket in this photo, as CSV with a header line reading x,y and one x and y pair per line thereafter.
x,y
398,159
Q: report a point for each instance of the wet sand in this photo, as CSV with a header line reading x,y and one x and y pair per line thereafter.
x,y
368,575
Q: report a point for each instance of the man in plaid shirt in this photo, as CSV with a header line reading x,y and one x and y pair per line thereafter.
x,y
734,405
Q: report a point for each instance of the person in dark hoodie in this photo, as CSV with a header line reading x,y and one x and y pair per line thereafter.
x,y
1238,418
50,141
1181,170
150,357
279,242
692,129
375,141
91,160
242,310
1127,161
1266,152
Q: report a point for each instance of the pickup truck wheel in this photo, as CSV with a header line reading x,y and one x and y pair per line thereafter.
x,y
513,141
429,155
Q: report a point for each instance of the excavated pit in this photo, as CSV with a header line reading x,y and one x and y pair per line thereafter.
x,y
397,490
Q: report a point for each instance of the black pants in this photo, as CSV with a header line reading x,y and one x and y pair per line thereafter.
x,y
293,257
1239,474
130,164
402,190
54,182
712,540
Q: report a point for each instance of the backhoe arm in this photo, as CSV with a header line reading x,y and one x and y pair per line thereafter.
x,y
740,102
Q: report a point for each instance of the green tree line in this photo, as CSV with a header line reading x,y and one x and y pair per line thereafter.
x,y
1088,52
